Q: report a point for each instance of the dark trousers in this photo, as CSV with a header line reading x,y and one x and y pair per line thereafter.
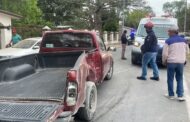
x,y
123,50
175,70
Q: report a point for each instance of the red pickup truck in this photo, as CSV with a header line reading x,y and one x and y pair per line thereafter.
x,y
70,65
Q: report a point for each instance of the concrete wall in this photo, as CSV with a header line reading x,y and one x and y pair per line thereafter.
x,y
111,37
6,34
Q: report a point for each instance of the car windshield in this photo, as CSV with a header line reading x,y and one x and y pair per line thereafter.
x,y
66,40
25,44
161,31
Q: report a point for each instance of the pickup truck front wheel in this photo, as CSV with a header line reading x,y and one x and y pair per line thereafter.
x,y
110,73
87,112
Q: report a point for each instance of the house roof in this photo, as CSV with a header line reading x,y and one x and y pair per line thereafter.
x,y
12,15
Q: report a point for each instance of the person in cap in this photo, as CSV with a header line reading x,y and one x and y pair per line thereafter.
x,y
174,56
132,34
149,53
44,29
15,38
124,44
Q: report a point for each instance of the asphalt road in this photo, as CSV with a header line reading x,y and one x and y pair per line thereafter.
x,y
126,99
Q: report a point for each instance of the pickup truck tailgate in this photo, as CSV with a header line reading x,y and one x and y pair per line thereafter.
x,y
26,112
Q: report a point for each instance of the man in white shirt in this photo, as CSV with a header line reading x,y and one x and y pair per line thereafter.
x,y
174,56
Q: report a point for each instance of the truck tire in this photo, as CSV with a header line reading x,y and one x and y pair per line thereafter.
x,y
133,59
110,73
87,112
35,62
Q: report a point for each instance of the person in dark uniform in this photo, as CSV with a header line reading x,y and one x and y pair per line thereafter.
x,y
149,50
124,44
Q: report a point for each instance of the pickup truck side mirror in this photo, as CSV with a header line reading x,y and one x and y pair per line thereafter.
x,y
110,48
36,47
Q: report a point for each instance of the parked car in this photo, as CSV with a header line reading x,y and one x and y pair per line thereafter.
x,y
71,64
24,47
161,26
188,40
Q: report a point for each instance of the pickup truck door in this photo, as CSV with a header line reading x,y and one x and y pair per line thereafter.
x,y
104,56
95,62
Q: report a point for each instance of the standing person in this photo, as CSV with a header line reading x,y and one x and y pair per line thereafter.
x,y
174,55
44,29
132,35
124,44
15,38
149,50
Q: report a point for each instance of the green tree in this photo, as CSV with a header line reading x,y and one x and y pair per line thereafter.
x,y
80,13
60,11
134,17
27,8
177,9
110,20
31,23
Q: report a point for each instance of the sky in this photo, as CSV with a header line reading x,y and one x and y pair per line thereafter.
x,y
157,5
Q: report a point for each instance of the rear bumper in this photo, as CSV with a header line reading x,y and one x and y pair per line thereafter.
x,y
64,117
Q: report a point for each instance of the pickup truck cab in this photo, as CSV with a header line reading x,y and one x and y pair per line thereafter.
x,y
70,65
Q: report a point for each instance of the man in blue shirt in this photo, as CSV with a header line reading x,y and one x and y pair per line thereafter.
x,y
15,38
132,34
149,50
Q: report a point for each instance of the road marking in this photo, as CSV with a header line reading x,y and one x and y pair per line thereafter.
x,y
187,96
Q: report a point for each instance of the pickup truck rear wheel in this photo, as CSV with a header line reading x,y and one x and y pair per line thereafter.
x,y
87,112
110,73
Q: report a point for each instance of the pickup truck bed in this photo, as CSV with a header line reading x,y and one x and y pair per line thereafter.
x,y
26,92
46,83
19,79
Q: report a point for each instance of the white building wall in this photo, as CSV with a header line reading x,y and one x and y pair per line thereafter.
x,y
6,34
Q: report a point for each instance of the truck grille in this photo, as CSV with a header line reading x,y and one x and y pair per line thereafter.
x,y
25,112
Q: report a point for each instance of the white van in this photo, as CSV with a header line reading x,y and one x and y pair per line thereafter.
x,y
161,26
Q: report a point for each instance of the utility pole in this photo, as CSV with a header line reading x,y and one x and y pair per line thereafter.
x,y
123,18
185,18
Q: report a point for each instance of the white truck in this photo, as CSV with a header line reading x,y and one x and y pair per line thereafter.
x,y
161,26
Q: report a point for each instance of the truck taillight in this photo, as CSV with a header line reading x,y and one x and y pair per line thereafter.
x,y
72,75
71,94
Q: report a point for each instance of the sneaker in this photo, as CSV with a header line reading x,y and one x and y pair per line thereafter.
x,y
155,78
141,78
169,97
181,99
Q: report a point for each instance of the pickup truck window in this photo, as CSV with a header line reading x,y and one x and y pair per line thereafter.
x,y
101,43
66,40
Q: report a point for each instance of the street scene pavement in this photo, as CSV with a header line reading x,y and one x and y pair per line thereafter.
x,y
126,99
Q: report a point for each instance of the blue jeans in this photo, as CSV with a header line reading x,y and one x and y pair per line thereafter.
x,y
177,70
149,57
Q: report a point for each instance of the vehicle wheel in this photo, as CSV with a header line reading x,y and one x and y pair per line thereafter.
x,y
35,63
87,113
133,60
110,73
